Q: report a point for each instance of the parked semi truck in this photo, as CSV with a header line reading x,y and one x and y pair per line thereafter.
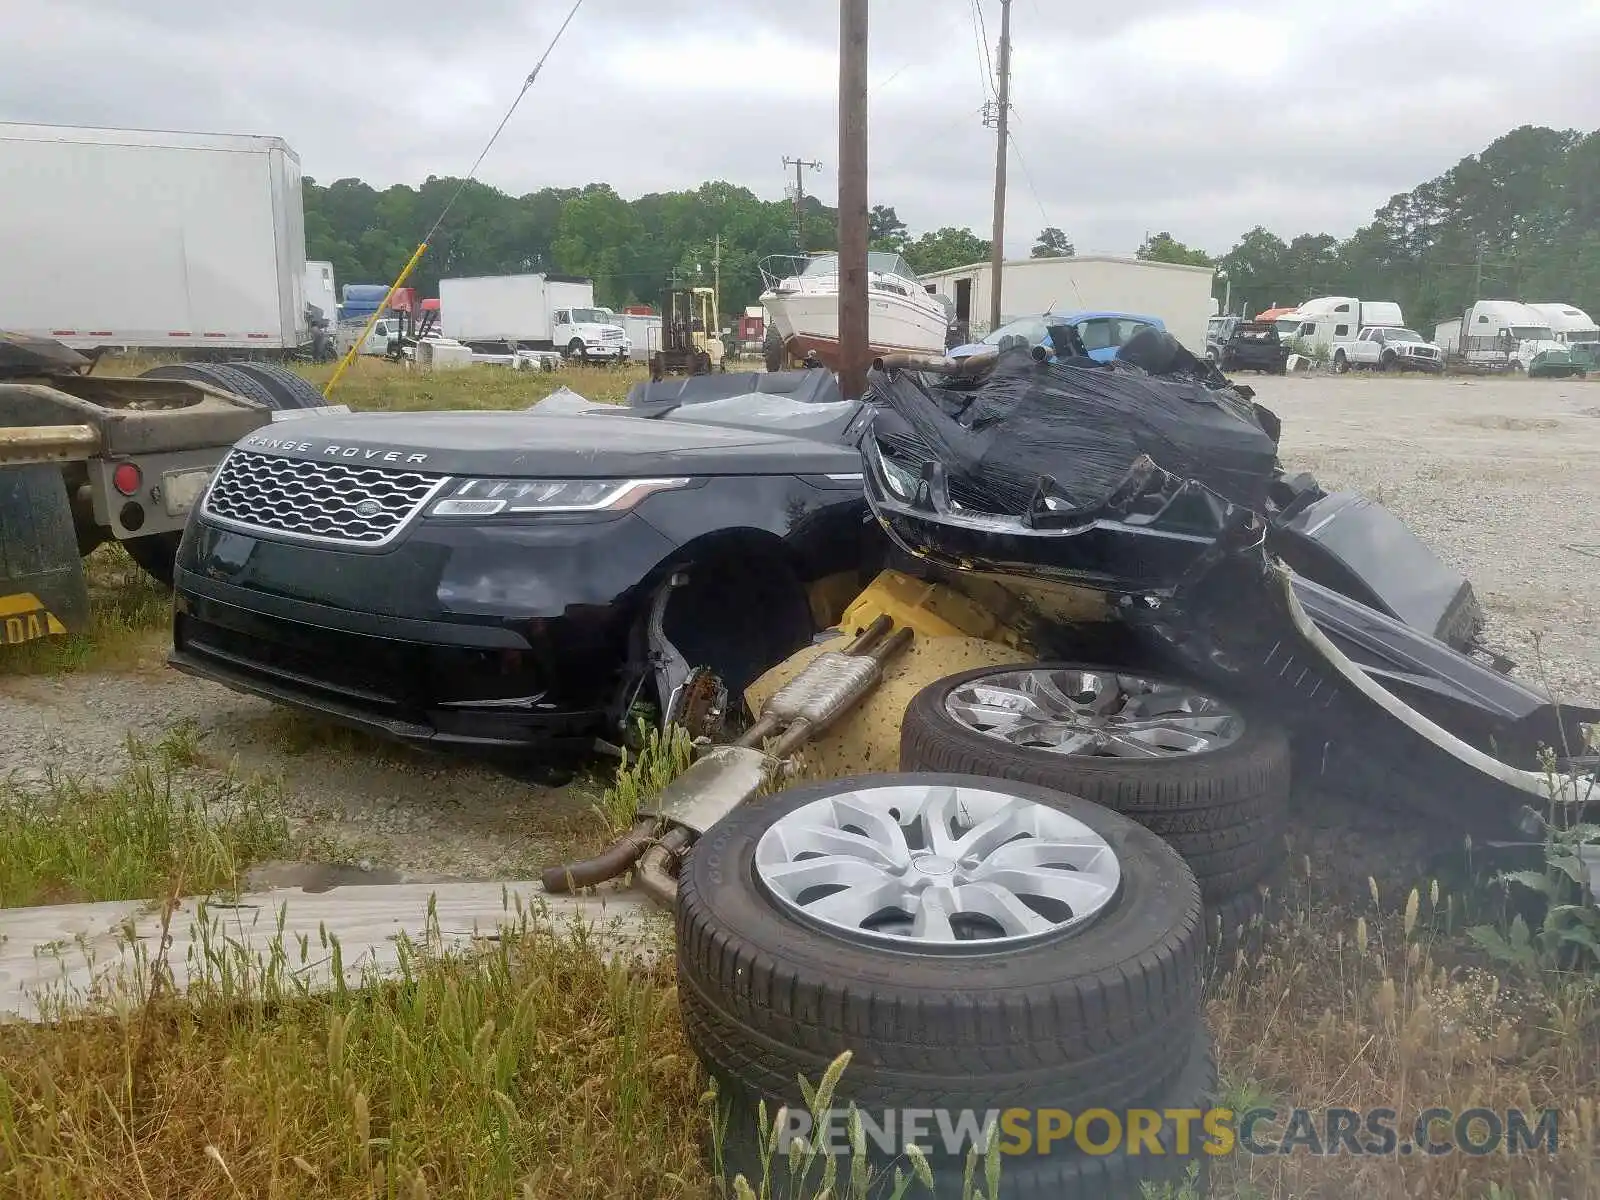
x,y
495,313
1574,329
86,459
121,238
1504,335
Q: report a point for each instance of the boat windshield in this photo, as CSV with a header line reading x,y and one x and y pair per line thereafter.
x,y
879,262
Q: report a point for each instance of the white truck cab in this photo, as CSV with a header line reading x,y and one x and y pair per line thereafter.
x,y
589,333
1388,348
1502,335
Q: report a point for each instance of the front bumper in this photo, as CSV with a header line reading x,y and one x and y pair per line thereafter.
x,y
448,639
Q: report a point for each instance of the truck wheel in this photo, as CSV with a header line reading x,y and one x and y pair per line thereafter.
x,y
155,554
924,923
577,350
1388,363
290,389
41,572
225,376
1341,364
1196,771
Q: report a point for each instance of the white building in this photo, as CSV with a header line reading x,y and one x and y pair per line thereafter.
x,y
1179,295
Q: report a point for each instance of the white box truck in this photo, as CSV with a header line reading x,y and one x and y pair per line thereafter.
x,y
507,313
162,241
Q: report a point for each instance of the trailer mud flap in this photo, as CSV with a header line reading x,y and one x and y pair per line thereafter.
x,y
42,587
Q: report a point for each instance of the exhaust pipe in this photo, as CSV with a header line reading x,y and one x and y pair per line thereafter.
x,y
564,878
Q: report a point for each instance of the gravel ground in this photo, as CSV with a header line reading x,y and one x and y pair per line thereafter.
x,y
1500,476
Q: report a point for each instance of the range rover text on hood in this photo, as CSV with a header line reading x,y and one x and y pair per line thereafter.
x,y
334,450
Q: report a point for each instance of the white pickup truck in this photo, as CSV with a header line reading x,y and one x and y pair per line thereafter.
x,y
1389,348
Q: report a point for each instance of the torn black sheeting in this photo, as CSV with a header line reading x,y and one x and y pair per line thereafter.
x,y
1082,429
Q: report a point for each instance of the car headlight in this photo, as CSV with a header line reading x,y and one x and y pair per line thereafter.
x,y
486,497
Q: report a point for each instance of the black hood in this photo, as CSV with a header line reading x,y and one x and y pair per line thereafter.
x,y
589,445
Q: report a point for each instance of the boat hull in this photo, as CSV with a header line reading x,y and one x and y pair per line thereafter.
x,y
809,324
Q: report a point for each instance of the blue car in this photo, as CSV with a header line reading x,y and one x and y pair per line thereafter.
x,y
1103,333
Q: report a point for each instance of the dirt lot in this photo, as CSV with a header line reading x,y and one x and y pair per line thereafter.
x,y
1500,476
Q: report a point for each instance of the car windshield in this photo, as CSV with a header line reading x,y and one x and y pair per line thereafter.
x,y
592,316
1403,335
1533,333
1287,326
1030,329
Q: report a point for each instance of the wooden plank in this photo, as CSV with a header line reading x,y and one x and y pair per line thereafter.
x,y
68,958
47,443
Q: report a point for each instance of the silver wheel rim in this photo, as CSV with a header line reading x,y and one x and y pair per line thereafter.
x,y
1098,714
937,868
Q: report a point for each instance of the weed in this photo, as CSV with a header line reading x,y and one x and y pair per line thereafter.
x,y
1190,1189
134,837
1568,935
797,1169
536,1068
660,758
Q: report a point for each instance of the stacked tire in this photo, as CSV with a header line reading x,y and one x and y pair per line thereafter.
x,y
1042,954
1209,777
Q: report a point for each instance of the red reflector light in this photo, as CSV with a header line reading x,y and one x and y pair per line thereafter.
x,y
126,479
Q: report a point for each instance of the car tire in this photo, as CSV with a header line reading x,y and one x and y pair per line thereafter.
x,y
576,352
1388,363
769,994
291,390
1224,810
1066,1174
1341,364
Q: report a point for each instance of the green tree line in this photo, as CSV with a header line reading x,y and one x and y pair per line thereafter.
x,y
1520,219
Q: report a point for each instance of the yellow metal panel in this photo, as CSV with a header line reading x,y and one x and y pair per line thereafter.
x,y
867,739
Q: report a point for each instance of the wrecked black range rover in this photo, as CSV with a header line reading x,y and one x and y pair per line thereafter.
x,y
520,580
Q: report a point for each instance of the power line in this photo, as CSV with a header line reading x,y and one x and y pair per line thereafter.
x,y
980,37
498,129
422,246
1028,175
983,29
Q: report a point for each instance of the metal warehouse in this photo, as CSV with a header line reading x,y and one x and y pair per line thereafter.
x,y
1179,295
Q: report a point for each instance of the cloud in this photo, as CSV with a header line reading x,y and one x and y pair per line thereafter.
x,y
1203,118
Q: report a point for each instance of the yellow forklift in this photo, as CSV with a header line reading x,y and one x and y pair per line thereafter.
x,y
688,323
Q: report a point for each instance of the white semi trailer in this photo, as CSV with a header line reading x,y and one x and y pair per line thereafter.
x,y
147,240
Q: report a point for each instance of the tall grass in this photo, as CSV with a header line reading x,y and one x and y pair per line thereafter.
x,y
145,833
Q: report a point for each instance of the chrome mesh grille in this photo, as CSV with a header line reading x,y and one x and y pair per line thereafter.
x,y
326,501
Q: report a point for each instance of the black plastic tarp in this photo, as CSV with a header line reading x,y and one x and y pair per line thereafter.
x,y
1082,428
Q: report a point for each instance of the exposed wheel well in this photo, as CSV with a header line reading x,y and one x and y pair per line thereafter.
x,y
744,608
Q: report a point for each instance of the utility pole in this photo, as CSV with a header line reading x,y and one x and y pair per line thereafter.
x,y
853,339
799,165
997,254
716,281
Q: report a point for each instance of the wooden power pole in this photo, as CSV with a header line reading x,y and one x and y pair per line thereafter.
x,y
997,253
853,198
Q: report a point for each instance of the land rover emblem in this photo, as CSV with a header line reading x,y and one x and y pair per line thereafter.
x,y
368,508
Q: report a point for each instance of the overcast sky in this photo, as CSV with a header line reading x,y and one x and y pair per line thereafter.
x,y
1201,117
